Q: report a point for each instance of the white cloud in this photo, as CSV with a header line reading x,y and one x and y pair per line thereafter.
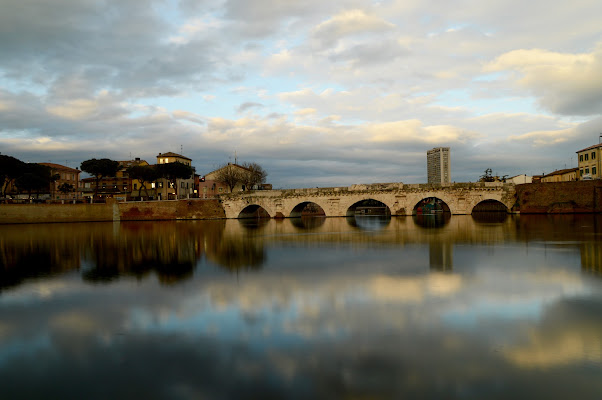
x,y
564,83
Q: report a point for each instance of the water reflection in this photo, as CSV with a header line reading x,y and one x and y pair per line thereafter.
x,y
485,217
308,222
435,220
369,222
507,309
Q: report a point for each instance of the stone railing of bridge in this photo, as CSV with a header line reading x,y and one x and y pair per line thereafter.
x,y
401,199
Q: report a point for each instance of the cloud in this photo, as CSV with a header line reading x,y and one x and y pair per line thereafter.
x,y
349,23
564,83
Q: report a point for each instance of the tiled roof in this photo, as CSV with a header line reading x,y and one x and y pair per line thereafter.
x,y
590,147
170,154
60,167
562,171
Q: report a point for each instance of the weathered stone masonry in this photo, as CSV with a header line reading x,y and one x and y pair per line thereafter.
x,y
341,201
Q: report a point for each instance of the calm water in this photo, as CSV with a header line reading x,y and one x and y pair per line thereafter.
x,y
303,309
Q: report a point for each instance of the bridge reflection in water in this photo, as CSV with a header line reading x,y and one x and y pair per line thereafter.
x,y
314,307
172,250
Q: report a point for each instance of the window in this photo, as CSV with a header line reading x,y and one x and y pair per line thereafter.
x,y
587,170
586,157
593,155
593,170
153,185
182,185
220,190
135,186
581,172
160,184
581,157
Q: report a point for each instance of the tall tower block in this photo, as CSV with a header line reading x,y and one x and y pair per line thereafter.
x,y
438,166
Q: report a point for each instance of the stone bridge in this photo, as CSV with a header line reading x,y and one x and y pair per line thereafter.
x,y
400,199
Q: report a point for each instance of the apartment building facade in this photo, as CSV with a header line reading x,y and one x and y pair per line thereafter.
x,y
438,166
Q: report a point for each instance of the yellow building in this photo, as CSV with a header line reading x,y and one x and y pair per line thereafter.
x,y
185,187
589,162
134,185
562,175
66,175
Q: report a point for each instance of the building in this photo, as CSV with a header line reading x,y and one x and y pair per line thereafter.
x,y
184,187
66,176
520,179
211,184
438,166
120,186
589,162
562,175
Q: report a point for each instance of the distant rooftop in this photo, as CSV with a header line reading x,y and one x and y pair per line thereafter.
x,y
171,154
562,171
60,167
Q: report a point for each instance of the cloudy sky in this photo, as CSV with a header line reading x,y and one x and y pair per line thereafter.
x,y
320,93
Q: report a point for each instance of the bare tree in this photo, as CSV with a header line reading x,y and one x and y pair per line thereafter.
x,y
254,176
230,175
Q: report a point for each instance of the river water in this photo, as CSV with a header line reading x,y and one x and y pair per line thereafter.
x,y
357,308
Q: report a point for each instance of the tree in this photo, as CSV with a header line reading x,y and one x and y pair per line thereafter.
x,y
99,169
10,169
230,175
256,175
174,171
65,188
35,178
486,177
144,174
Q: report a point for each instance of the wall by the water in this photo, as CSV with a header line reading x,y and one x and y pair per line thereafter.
x,y
172,209
43,213
131,211
560,197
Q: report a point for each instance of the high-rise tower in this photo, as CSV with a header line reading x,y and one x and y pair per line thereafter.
x,y
437,165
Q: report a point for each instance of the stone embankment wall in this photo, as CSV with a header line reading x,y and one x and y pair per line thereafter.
x,y
170,210
131,211
560,197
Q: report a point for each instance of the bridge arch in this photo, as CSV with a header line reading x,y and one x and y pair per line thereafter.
x,y
490,205
368,206
307,208
253,211
431,205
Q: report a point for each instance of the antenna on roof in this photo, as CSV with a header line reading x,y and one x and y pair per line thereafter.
x,y
181,150
235,159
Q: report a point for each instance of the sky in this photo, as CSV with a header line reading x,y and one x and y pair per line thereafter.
x,y
319,93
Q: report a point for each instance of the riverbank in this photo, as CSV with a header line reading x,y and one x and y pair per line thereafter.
x,y
112,211
532,198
